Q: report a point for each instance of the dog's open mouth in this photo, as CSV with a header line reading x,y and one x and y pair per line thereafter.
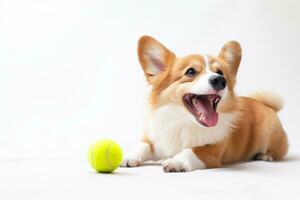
x,y
203,107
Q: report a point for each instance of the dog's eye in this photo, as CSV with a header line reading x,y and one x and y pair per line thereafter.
x,y
220,72
191,72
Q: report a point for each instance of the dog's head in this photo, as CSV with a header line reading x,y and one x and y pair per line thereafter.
x,y
202,84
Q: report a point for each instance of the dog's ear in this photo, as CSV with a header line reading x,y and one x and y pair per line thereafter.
x,y
154,57
231,53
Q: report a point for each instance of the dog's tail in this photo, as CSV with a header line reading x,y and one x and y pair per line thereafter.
x,y
270,99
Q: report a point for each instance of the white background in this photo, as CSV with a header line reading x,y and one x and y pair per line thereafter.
x,y
69,73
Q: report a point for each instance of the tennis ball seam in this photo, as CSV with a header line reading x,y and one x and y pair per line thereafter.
x,y
107,152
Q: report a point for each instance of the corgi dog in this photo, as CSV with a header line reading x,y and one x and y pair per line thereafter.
x,y
195,120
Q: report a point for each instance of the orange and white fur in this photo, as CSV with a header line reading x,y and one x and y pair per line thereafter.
x,y
195,120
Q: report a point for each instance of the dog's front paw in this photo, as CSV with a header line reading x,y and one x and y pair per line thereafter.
x,y
175,165
185,161
131,162
141,153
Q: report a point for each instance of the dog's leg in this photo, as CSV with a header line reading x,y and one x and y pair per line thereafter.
x,y
184,161
190,159
141,153
211,154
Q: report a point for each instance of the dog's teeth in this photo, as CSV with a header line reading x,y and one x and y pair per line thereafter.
x,y
201,116
194,101
216,100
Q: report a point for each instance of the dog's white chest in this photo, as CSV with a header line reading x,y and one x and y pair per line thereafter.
x,y
172,129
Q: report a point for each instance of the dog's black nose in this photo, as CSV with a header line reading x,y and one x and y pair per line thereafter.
x,y
217,82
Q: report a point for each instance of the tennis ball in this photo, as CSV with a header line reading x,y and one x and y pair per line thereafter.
x,y
105,156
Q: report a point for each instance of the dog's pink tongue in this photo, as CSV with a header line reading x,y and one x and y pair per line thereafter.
x,y
210,117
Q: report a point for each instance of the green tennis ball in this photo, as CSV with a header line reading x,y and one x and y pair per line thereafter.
x,y
105,156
